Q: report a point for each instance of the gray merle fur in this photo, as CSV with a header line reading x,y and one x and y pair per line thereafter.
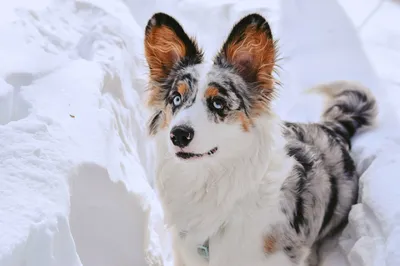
x,y
324,180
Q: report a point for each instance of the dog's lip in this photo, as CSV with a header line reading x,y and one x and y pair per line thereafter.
x,y
190,155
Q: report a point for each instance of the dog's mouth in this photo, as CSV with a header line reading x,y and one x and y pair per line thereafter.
x,y
189,155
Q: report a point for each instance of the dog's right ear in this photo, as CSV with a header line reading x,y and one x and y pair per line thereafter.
x,y
166,44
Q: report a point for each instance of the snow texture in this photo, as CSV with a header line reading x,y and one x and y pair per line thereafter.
x,y
76,165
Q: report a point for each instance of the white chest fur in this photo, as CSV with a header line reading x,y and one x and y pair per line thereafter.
x,y
233,204
240,243
234,216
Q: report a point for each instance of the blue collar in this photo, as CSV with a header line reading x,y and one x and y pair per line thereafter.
x,y
203,250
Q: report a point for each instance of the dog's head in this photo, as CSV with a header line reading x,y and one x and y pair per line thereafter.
x,y
207,110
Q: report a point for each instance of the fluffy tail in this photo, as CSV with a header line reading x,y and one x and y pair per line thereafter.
x,y
350,107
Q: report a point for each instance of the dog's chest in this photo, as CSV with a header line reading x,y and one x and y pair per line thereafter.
x,y
245,240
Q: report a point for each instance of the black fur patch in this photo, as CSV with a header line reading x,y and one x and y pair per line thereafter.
x,y
353,110
348,163
358,94
154,123
292,251
288,249
335,134
333,201
298,215
301,156
188,78
298,132
220,88
241,97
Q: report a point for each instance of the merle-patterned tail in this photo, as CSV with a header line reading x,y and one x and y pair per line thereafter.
x,y
350,107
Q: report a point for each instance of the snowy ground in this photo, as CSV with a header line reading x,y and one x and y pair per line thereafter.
x,y
377,23
75,179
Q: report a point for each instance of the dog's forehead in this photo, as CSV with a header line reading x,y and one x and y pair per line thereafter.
x,y
205,74
202,74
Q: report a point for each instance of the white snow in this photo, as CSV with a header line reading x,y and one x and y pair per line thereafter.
x,y
75,164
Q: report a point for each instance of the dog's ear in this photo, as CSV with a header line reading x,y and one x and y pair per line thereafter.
x,y
166,43
250,49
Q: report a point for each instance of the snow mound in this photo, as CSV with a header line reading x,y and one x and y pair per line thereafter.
x,y
73,179
75,166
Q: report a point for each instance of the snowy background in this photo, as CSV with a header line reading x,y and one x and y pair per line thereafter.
x,y
75,162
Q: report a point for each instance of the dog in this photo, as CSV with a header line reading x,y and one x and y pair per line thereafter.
x,y
239,186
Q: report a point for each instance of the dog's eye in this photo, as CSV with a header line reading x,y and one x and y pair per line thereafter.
x,y
218,104
177,100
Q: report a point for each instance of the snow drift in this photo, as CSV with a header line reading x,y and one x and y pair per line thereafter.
x,y
75,164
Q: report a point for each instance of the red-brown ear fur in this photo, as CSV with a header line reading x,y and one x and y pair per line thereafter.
x,y
166,44
163,49
251,50
253,56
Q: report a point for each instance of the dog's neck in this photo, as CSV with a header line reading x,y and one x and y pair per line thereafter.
x,y
199,196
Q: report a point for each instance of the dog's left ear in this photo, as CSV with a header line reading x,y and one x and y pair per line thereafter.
x,y
250,49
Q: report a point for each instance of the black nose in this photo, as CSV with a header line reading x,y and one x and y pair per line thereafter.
x,y
181,136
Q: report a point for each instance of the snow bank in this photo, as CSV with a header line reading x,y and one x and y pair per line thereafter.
x,y
73,183
75,166
377,27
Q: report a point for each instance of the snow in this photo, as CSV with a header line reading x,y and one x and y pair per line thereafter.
x,y
75,163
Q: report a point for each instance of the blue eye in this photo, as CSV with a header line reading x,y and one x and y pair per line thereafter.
x,y
177,100
218,104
